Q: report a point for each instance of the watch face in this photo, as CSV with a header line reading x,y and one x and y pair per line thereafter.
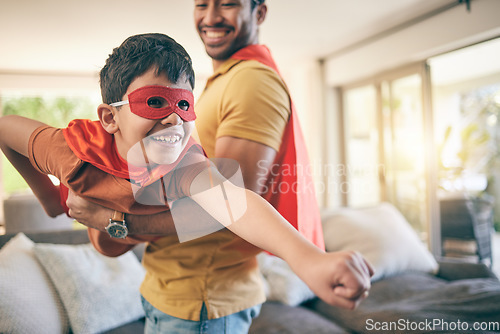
x,y
117,231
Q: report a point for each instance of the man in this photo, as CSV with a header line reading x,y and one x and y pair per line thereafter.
x,y
244,114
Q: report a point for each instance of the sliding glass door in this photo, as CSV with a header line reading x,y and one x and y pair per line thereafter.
x,y
386,140
466,90
403,126
403,147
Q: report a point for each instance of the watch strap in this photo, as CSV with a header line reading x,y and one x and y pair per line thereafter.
x,y
118,216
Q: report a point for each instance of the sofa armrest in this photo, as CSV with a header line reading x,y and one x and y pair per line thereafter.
x,y
56,237
452,270
69,237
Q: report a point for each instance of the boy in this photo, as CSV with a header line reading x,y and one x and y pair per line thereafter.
x,y
132,154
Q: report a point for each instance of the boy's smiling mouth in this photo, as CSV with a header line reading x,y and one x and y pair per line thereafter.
x,y
167,139
168,136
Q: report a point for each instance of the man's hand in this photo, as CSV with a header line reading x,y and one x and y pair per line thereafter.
x,y
340,278
97,217
88,213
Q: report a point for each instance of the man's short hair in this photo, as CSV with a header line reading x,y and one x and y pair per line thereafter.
x,y
138,54
255,3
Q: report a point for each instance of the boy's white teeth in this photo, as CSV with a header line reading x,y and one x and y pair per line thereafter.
x,y
167,139
215,34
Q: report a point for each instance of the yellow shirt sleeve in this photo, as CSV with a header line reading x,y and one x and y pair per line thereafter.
x,y
255,106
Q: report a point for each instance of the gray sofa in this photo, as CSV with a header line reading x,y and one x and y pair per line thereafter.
x,y
460,293
411,292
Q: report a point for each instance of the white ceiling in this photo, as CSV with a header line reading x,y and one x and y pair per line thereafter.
x,y
76,36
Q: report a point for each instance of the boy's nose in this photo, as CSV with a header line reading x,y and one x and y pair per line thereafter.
x,y
172,119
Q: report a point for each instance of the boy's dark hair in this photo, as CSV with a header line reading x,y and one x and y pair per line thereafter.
x,y
136,55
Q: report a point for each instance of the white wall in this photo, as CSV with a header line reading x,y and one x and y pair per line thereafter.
x,y
36,83
2,195
305,85
444,32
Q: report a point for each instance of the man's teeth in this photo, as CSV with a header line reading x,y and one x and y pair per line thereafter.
x,y
215,34
167,139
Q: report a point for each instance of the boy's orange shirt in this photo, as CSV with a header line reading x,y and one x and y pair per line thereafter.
x,y
105,182
50,153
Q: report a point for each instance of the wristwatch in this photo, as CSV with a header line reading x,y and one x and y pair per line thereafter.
x,y
117,228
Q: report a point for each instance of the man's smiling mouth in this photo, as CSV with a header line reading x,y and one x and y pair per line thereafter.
x,y
216,34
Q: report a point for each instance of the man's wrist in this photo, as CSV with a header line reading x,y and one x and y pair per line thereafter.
x,y
154,224
117,227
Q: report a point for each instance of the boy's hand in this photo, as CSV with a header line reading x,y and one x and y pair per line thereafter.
x,y
340,278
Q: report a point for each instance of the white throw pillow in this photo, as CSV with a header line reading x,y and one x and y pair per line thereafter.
x,y
98,292
28,301
280,282
382,235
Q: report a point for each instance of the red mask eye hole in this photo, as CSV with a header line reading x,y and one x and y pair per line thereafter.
x,y
183,104
157,102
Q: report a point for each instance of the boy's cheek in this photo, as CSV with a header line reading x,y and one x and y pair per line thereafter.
x,y
188,128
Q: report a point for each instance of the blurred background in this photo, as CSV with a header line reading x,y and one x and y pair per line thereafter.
x,y
399,99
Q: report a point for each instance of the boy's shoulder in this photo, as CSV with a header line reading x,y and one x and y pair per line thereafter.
x,y
91,143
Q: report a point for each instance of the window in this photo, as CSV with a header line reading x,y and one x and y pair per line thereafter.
x,y
466,94
424,149
405,161
51,109
386,140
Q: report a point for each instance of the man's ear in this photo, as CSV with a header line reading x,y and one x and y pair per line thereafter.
x,y
261,13
107,118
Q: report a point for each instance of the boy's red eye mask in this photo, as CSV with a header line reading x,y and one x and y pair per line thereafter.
x,y
157,102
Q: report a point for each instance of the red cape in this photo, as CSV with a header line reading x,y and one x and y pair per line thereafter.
x,y
291,192
91,143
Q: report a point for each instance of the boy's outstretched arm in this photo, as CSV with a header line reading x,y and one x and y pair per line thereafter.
x,y
340,278
15,132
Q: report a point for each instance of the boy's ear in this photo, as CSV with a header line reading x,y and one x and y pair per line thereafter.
x,y
107,118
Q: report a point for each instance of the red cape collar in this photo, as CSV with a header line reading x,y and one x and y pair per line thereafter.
x,y
256,52
91,143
